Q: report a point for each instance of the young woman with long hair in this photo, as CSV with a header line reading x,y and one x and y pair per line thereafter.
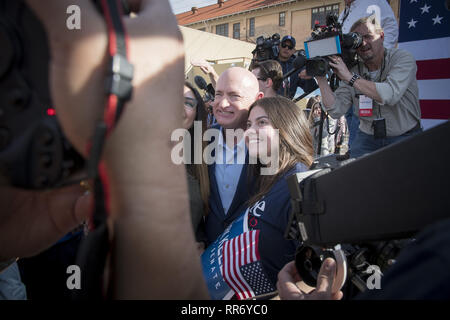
x,y
198,180
245,260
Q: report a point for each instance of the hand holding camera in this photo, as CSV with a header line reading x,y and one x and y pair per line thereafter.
x,y
289,276
340,68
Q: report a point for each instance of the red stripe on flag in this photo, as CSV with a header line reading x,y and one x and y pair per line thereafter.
x,y
236,272
237,252
255,246
227,264
433,69
435,109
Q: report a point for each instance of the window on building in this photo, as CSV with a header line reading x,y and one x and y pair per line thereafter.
x,y
319,14
236,30
282,19
222,29
202,29
251,27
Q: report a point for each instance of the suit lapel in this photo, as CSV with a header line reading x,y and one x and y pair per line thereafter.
x,y
241,195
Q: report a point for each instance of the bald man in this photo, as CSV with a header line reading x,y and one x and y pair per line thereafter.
x,y
236,90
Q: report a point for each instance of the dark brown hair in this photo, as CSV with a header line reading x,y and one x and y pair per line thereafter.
x,y
270,69
199,171
295,144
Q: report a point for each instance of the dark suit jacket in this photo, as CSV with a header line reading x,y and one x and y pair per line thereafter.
x,y
216,220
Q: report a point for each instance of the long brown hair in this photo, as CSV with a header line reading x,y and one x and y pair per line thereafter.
x,y
295,141
313,103
199,171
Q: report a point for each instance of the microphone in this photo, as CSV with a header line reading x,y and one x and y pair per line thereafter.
x,y
209,89
298,63
200,82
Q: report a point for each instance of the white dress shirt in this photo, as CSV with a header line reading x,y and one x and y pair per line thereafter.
x,y
228,168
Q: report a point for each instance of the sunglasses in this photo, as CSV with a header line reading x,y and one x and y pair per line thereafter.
x,y
190,102
285,45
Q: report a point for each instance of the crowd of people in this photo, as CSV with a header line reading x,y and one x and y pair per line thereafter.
x,y
212,230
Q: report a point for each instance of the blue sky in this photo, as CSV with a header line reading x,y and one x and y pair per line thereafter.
x,y
179,6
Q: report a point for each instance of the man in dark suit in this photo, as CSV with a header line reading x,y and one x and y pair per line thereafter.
x,y
236,90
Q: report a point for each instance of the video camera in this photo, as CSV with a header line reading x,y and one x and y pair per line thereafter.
x,y
329,40
267,48
363,212
33,150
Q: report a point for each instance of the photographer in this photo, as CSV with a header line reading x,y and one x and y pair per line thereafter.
x,y
382,86
286,58
354,10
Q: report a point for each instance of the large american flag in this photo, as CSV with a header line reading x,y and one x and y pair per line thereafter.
x,y
241,267
425,32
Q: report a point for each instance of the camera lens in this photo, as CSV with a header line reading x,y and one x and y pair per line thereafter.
x,y
307,262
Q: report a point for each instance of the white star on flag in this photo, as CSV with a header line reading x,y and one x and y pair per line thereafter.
x,y
425,33
437,19
425,8
412,23
413,1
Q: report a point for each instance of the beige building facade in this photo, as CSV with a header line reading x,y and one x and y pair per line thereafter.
x,y
294,18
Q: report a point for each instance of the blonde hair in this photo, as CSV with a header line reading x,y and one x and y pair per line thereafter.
x,y
372,19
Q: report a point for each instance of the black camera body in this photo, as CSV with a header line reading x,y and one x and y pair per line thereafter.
x,y
33,150
329,40
267,48
371,207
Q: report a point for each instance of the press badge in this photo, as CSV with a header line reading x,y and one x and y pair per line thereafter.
x,y
365,106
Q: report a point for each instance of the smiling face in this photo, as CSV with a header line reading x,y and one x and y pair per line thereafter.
x,y
236,90
260,135
190,108
371,48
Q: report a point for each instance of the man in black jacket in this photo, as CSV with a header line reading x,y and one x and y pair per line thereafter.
x,y
286,58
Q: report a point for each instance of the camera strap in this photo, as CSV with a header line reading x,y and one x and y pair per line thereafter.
x,y
95,249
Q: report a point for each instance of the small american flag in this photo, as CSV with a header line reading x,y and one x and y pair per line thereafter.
x,y
241,267
425,32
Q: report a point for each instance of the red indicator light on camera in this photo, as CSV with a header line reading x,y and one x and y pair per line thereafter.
x,y
51,112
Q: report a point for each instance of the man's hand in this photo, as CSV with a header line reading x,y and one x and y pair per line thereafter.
x,y
303,75
32,221
288,290
203,65
206,69
340,69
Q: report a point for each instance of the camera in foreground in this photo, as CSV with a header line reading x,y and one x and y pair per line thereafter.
x,y
363,212
34,152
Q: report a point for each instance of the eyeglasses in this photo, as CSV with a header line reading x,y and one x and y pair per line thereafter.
x,y
285,45
190,102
